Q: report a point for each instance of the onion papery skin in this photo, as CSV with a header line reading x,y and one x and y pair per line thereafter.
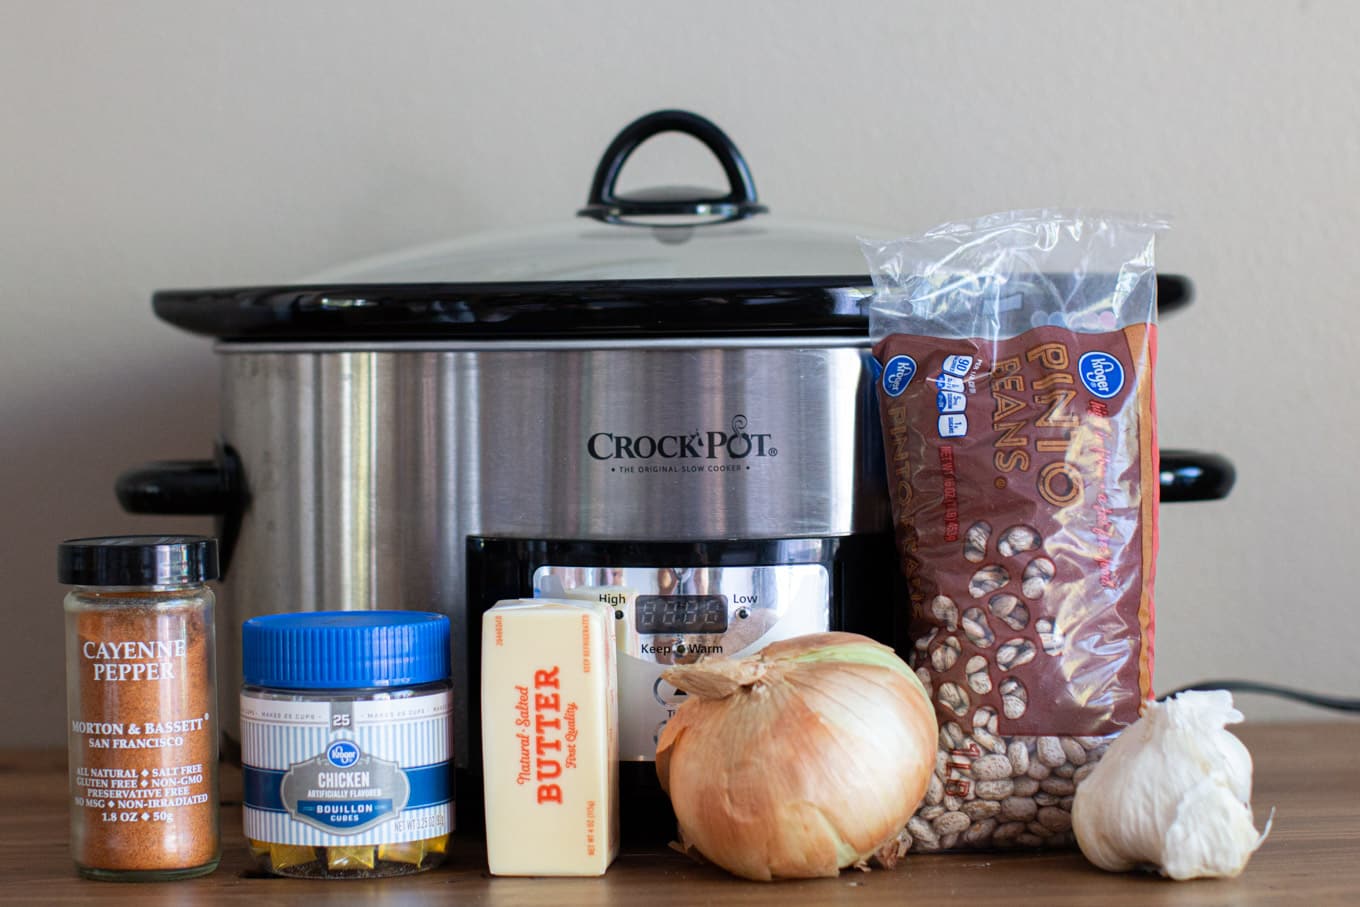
x,y
800,760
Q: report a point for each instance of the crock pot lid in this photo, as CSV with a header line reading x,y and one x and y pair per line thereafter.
x,y
672,261
664,233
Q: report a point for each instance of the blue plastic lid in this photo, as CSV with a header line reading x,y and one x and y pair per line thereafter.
x,y
334,650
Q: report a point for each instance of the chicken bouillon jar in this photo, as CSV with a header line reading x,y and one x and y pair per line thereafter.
x,y
345,739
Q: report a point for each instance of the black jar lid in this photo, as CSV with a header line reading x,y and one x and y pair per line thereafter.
x,y
137,560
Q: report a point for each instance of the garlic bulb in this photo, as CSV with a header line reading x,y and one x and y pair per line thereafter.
x,y
800,760
1173,793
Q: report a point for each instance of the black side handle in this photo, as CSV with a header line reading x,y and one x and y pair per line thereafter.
x,y
605,204
213,488
181,487
1193,476
1174,292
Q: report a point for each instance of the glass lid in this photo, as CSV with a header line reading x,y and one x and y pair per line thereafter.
x,y
671,261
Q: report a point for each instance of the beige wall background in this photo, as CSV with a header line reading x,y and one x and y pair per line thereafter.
x,y
159,143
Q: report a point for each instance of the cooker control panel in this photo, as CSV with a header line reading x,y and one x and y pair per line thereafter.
x,y
676,615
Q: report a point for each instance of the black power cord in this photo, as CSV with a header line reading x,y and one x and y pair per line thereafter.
x,y
1321,700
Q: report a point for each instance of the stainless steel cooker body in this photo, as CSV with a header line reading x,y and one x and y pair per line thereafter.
x,y
366,467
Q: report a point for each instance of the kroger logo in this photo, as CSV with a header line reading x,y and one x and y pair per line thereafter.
x,y
342,754
1102,374
897,374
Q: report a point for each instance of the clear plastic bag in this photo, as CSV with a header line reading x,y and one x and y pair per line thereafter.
x,y
1020,432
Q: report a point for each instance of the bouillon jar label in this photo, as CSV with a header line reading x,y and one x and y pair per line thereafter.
x,y
346,772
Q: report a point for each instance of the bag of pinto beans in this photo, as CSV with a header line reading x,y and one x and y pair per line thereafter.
x,y
1019,427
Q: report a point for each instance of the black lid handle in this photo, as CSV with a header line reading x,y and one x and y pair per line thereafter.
x,y
605,204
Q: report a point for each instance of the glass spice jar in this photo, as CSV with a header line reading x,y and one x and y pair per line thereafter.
x,y
345,742
141,700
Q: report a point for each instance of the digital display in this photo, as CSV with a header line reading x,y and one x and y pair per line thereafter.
x,y
680,613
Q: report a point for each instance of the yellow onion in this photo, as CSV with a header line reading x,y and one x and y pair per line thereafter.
x,y
799,760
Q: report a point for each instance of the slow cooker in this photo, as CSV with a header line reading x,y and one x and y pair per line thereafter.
x,y
665,404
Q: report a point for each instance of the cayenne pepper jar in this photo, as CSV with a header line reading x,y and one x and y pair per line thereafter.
x,y
141,703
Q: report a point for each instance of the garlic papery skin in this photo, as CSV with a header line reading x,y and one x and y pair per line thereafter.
x,y
1172,793
800,760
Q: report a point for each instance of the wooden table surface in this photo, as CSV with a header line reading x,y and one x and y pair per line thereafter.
x,y
1309,773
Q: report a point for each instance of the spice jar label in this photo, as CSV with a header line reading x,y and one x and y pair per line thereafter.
x,y
369,772
143,740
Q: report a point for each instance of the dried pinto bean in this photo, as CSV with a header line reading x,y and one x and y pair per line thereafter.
x,y
921,831
979,681
945,654
1036,577
926,680
1050,637
1018,754
975,541
988,580
1050,751
1018,809
1014,654
943,609
995,790
991,767
1009,610
981,831
953,697
934,791
951,823
1014,698
1062,787
988,741
976,629
951,735
1018,539
1006,833
985,719
1040,830
979,810
1073,750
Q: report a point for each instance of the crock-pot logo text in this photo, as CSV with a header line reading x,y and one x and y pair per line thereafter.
x,y
737,444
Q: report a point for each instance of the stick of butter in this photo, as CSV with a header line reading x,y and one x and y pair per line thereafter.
x,y
550,744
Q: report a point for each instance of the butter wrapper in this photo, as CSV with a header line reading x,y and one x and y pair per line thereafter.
x,y
550,737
